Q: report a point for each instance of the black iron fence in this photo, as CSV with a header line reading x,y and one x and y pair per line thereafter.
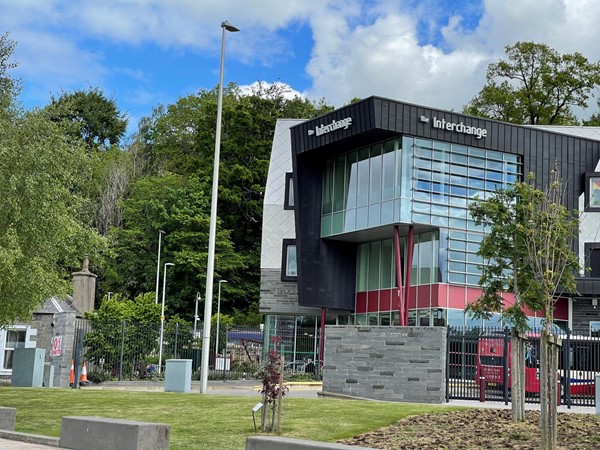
x,y
478,366
132,351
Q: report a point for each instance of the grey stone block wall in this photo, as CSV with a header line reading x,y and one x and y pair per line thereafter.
x,y
280,297
404,364
64,325
43,324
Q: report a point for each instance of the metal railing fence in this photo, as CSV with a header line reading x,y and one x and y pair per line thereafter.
x,y
130,351
478,366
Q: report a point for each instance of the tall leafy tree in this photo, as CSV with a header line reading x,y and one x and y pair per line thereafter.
x,y
90,116
179,206
179,141
536,85
528,251
42,237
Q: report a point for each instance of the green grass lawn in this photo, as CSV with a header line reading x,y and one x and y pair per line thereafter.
x,y
204,421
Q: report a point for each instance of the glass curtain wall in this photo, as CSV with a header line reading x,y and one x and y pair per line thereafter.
x,y
364,189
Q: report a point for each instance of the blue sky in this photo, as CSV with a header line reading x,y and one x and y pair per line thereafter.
x,y
144,53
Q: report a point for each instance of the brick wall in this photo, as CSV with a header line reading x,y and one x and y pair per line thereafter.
x,y
404,364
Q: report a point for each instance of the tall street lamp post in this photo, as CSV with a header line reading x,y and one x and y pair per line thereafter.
x,y
160,233
162,316
218,322
210,269
196,317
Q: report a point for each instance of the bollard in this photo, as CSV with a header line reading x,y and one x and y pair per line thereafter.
x,y
482,389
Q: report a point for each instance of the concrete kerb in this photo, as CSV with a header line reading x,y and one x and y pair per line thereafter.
x,y
30,438
282,443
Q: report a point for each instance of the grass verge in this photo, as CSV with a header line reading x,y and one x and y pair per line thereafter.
x,y
204,421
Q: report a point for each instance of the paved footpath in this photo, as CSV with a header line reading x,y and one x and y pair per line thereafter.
x,y
17,445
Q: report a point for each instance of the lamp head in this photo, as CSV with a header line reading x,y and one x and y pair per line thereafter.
x,y
169,264
223,281
229,27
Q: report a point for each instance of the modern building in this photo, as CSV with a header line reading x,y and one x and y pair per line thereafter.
x,y
366,214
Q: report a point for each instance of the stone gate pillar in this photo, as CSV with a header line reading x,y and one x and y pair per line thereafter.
x,y
64,328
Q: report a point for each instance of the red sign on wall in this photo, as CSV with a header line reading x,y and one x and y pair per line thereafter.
x,y
57,346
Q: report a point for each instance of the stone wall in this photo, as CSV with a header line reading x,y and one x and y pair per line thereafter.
x,y
280,297
404,364
64,325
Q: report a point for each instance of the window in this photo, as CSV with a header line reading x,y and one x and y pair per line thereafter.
x,y
288,202
289,266
14,339
594,328
592,259
592,191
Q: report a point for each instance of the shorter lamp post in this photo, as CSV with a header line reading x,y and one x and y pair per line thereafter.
x,y
162,317
218,322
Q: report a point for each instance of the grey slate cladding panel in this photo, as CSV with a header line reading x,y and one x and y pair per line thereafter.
x,y
363,362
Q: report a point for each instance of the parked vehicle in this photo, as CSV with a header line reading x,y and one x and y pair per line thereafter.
x,y
578,364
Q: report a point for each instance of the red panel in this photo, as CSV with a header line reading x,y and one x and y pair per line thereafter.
x,y
456,296
373,301
385,300
361,302
442,294
413,295
561,309
473,294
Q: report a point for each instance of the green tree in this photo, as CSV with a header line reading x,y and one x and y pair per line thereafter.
x,y
178,142
179,206
594,120
90,116
528,251
536,85
42,238
117,327
8,85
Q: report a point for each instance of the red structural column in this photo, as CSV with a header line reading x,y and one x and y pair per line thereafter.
x,y
409,258
401,303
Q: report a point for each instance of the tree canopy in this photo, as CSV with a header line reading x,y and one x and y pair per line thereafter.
x,y
536,85
90,116
527,251
42,236
172,193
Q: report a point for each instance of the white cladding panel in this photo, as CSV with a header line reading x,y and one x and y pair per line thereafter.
x,y
278,223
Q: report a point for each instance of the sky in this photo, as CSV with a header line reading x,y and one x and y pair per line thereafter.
x,y
145,53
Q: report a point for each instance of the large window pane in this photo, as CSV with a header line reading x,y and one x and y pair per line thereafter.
x,y
374,263
387,255
339,190
362,267
363,177
328,178
375,179
388,176
351,179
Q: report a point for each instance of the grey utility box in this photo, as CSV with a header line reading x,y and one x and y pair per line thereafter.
x,y
28,367
178,375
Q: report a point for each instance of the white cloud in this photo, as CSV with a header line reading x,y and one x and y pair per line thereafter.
x,y
383,56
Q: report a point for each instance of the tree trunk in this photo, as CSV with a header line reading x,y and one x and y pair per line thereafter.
x,y
548,390
517,369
